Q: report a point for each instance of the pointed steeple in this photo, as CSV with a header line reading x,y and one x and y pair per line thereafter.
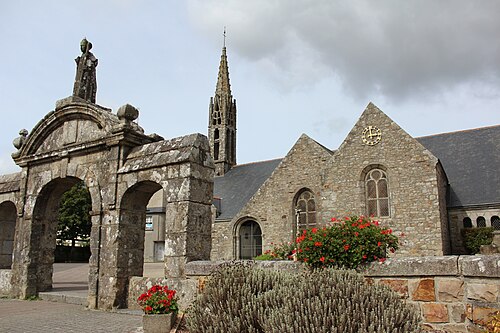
x,y
222,120
223,86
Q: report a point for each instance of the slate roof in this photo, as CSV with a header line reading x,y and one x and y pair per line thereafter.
x,y
470,158
471,161
239,184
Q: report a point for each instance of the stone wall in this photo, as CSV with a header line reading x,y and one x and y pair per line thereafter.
x,y
5,286
273,204
454,294
413,177
456,217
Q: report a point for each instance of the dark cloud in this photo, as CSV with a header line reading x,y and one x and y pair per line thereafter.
x,y
400,49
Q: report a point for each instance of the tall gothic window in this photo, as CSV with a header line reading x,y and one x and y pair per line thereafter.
x,y
305,208
377,193
250,238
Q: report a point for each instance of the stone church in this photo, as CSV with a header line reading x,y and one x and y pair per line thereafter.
x,y
187,199
427,189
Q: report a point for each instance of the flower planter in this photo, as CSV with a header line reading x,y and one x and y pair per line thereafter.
x,y
157,323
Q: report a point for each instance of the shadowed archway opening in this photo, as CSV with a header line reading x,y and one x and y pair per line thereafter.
x,y
133,224
8,214
45,232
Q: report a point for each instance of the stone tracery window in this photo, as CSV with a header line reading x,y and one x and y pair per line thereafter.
x,y
305,208
377,193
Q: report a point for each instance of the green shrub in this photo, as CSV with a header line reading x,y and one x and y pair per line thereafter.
x,y
347,243
283,251
264,256
475,237
244,299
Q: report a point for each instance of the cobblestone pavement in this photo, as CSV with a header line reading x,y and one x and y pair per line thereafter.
x,y
18,316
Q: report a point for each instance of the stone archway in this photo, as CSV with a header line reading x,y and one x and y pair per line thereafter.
x,y
44,230
8,216
121,167
132,214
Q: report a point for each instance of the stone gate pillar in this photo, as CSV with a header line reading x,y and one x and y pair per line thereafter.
x,y
183,169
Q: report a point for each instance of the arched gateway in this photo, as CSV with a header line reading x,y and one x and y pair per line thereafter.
x,y
121,167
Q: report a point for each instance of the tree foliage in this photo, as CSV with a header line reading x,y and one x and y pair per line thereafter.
x,y
74,218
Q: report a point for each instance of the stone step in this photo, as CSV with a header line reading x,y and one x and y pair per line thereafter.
x,y
63,298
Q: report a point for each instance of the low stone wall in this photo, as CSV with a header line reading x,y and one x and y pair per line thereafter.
x,y
5,287
453,293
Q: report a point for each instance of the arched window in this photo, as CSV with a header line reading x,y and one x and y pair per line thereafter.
x,y
250,238
305,210
495,222
467,222
377,193
481,222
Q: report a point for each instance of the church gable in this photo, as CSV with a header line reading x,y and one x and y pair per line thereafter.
x,y
381,170
379,138
302,169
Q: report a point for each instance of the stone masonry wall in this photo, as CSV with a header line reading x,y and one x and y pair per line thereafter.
x,y
273,204
413,182
456,217
454,294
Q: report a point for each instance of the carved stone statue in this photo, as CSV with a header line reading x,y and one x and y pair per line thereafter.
x,y
85,81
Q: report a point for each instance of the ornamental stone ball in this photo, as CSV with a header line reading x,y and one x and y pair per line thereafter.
x,y
127,112
20,140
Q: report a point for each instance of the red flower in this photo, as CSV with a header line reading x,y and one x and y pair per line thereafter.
x,y
346,247
318,244
314,230
334,219
382,259
148,308
379,243
356,234
322,259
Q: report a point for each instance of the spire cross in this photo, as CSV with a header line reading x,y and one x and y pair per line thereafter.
x,y
224,34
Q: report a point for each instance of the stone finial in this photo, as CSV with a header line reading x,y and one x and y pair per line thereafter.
x,y
127,112
21,139
85,81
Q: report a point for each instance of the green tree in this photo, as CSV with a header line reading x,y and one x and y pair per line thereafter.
x,y
74,218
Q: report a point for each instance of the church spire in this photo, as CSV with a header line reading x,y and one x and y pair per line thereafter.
x,y
222,120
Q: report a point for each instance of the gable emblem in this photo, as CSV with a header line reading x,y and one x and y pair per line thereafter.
x,y
371,135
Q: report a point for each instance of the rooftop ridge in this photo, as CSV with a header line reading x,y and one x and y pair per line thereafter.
x,y
458,131
257,162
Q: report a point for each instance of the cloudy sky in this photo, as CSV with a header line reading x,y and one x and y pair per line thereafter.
x,y
295,66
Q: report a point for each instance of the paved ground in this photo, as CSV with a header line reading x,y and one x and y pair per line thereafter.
x,y
18,316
